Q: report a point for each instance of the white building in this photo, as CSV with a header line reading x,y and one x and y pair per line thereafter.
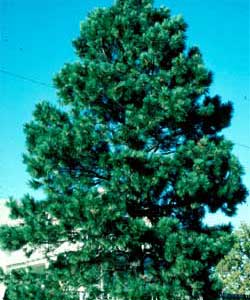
x,y
10,260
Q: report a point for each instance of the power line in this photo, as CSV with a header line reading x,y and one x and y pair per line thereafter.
x,y
34,81
241,145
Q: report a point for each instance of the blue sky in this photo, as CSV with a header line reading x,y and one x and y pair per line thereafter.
x,y
35,42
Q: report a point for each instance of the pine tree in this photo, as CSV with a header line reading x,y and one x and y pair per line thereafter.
x,y
129,162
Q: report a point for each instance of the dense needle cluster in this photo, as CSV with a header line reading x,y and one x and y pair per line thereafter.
x,y
129,163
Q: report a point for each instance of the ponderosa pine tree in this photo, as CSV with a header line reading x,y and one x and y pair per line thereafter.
x,y
129,163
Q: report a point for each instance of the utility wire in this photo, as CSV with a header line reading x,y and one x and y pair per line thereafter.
x,y
241,145
34,81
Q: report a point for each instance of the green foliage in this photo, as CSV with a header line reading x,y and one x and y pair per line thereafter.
x,y
25,284
129,164
234,268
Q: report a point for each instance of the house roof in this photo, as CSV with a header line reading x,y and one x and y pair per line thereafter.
x,y
17,259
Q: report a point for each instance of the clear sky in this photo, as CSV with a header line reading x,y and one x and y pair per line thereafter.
x,y
35,42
